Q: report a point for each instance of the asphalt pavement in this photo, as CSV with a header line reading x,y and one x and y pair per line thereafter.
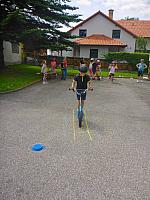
x,y
107,159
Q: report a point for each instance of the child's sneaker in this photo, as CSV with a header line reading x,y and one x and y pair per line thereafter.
x,y
137,81
141,81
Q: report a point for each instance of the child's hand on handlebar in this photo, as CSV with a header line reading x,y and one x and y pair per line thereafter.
x,y
72,89
90,88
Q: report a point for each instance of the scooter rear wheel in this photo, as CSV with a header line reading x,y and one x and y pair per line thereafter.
x,y
80,117
80,124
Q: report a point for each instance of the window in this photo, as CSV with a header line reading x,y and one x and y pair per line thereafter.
x,y
93,53
116,34
15,48
82,32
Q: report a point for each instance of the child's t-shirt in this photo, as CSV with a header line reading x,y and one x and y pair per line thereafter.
x,y
65,63
53,63
90,66
82,81
44,68
112,70
94,67
62,66
141,66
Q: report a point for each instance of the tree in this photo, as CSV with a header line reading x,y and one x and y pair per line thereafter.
x,y
130,18
37,23
141,44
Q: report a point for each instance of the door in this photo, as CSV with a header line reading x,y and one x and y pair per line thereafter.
x,y
93,53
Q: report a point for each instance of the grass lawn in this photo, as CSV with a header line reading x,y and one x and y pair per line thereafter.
x,y
124,74
17,76
105,73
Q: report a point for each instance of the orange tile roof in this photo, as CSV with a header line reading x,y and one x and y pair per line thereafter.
x,y
99,40
138,27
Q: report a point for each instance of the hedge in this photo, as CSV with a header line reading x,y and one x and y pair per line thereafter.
x,y
131,58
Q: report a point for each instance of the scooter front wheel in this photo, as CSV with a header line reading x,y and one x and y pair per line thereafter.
x,y
80,117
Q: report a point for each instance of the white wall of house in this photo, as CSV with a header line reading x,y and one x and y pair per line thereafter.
x,y
68,53
101,25
85,51
64,53
9,57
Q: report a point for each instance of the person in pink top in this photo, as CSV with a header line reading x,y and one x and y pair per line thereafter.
x,y
90,67
53,65
112,67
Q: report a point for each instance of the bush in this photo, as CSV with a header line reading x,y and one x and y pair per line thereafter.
x,y
131,58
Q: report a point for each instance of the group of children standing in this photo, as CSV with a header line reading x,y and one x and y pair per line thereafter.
x,y
45,70
95,69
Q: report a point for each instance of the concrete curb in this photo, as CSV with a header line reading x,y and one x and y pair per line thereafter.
x,y
21,88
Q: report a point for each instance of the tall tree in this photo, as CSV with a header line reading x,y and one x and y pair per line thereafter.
x,y
141,44
130,18
37,23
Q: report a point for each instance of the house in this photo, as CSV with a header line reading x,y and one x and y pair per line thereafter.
x,y
13,53
139,28
100,34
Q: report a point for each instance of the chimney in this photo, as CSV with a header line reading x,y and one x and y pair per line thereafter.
x,y
111,13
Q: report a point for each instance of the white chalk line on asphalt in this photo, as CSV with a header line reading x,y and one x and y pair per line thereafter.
x,y
74,132
87,128
86,124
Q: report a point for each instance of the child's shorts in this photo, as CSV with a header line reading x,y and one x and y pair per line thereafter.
x,y
140,73
83,95
111,74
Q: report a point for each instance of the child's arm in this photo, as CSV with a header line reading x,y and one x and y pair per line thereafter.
x,y
90,85
73,84
42,69
145,66
137,65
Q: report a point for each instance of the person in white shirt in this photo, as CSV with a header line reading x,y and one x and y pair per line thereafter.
x,y
44,71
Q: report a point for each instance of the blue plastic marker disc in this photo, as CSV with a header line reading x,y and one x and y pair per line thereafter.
x,y
37,147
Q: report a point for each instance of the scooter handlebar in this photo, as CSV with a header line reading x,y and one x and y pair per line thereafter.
x,y
81,89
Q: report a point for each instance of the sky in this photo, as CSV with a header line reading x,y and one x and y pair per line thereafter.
x,y
122,8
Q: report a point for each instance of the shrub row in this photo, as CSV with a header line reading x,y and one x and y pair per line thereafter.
x,y
131,58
